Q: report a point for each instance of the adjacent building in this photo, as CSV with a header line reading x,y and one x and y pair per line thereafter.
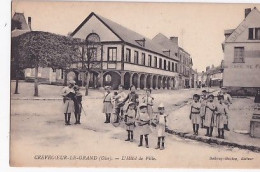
x,y
242,55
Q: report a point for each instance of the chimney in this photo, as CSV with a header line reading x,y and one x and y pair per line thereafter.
x,y
30,23
247,11
174,39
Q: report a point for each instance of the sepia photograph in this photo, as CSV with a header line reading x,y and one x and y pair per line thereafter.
x,y
135,85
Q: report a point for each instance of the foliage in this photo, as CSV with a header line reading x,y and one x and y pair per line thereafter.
x,y
34,49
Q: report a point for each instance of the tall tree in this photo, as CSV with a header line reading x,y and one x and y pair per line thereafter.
x,y
42,49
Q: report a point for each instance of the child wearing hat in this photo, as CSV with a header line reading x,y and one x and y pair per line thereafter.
x,y
161,126
221,115
107,104
210,108
143,124
130,121
195,113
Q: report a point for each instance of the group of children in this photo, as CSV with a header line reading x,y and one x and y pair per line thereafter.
x,y
138,115
209,114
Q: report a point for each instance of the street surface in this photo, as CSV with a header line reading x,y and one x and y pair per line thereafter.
x,y
38,132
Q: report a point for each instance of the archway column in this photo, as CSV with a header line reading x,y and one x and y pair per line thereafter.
x,y
151,81
145,84
122,78
138,81
156,82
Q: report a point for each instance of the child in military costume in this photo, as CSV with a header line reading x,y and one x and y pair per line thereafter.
x,y
77,104
161,126
210,108
221,115
195,113
107,104
143,124
130,121
68,94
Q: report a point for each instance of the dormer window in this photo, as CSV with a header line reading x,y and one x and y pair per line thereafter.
x,y
141,42
167,52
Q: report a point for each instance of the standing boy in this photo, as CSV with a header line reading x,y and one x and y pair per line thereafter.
x,y
148,100
161,126
195,113
77,104
203,101
107,104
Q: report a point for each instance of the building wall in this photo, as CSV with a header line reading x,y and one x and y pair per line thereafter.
x,y
242,74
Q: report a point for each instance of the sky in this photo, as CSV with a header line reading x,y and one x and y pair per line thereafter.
x,y
200,27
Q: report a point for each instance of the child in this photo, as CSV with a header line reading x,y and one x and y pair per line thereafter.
x,y
195,113
148,100
209,115
107,104
143,121
130,121
77,104
161,125
203,101
221,115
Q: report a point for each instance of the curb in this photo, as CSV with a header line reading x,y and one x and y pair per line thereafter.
x,y
210,140
24,98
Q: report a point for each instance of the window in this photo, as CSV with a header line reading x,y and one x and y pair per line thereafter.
x,y
160,63
257,33
254,33
149,60
143,59
164,64
173,66
239,55
251,33
155,62
136,58
92,54
169,65
112,54
128,55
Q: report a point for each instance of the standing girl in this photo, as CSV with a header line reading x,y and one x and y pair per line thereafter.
x,y
107,104
209,115
161,126
195,113
143,123
130,121
221,115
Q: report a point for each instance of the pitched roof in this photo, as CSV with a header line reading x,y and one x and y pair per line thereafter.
x,y
126,34
20,17
167,43
231,31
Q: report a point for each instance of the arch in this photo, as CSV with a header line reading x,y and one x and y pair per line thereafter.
x,y
135,78
112,79
168,81
159,82
142,81
93,81
127,80
164,82
154,85
149,84
72,75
